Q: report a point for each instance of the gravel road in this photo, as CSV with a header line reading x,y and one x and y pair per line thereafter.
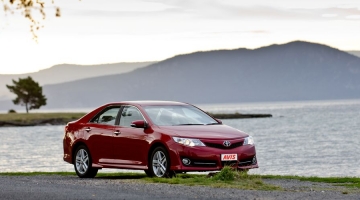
x,y
71,187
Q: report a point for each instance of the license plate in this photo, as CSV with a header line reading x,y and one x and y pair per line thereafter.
x,y
227,157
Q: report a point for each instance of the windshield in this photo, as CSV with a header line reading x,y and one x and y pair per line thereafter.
x,y
178,115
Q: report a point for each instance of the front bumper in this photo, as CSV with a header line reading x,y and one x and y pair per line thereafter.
x,y
209,158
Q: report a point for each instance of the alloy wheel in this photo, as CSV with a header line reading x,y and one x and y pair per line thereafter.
x,y
159,164
82,161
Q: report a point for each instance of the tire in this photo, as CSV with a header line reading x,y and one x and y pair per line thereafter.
x,y
83,162
148,173
159,163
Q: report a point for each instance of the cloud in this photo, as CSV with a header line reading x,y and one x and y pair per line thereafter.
x,y
335,12
215,10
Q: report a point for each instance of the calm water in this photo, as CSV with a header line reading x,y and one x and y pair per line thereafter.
x,y
302,138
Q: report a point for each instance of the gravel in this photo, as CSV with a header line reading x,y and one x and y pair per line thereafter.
x,y
71,187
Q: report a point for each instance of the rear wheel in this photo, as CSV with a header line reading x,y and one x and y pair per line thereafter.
x,y
159,165
82,163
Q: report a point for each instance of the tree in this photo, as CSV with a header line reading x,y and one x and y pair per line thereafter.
x,y
26,7
28,92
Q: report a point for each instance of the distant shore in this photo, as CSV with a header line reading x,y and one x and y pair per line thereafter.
x,y
41,119
37,119
238,115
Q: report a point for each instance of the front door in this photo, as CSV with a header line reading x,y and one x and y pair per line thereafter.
x,y
130,145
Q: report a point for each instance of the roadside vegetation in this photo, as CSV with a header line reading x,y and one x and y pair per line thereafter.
x,y
227,178
351,182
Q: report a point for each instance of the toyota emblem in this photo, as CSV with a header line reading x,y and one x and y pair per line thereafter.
x,y
227,143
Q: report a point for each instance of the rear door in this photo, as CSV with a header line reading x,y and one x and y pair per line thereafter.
x,y
101,134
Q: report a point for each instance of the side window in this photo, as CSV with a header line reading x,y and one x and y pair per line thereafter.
x,y
107,117
129,114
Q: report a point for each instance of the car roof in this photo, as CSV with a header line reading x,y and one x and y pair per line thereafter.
x,y
151,103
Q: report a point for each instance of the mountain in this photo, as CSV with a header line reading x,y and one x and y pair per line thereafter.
x,y
293,71
355,53
289,72
68,72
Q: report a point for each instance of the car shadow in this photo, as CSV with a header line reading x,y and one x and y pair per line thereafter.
x,y
132,176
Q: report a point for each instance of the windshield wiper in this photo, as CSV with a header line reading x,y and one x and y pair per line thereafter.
x,y
213,123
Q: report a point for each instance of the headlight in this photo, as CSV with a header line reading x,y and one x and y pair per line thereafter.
x,y
188,141
249,140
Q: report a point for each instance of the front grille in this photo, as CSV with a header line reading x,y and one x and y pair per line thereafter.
x,y
241,163
203,163
221,146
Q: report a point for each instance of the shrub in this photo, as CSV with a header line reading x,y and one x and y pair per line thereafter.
x,y
226,174
12,111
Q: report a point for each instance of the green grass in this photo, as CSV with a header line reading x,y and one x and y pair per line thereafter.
x,y
227,178
240,181
341,181
34,117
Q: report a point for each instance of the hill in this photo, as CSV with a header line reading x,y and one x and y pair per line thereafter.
x,y
68,72
288,72
355,53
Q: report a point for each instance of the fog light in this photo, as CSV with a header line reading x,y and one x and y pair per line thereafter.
x,y
186,161
254,160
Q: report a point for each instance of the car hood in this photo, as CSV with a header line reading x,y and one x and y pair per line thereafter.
x,y
204,131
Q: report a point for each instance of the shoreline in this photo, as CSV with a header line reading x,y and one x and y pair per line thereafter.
x,y
44,119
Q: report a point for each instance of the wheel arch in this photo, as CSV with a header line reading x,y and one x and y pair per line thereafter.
x,y
75,146
154,145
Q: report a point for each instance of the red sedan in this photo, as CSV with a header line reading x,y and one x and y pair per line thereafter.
x,y
159,137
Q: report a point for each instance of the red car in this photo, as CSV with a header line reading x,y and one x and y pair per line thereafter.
x,y
159,137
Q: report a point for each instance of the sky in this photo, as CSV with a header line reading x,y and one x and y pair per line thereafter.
x,y
111,31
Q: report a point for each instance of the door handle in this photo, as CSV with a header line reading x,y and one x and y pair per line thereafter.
x,y
88,129
117,132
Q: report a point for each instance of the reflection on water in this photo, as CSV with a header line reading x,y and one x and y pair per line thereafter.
x,y
309,139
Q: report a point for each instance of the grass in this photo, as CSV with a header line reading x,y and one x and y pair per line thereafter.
x,y
34,117
224,179
227,178
239,180
353,182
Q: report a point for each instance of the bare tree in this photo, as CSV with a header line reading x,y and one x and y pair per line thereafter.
x,y
27,7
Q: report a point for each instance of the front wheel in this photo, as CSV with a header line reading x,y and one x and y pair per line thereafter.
x,y
159,165
82,163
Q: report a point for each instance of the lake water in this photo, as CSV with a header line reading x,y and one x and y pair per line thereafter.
x,y
302,138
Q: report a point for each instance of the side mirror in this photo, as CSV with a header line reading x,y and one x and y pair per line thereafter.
x,y
218,120
139,124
